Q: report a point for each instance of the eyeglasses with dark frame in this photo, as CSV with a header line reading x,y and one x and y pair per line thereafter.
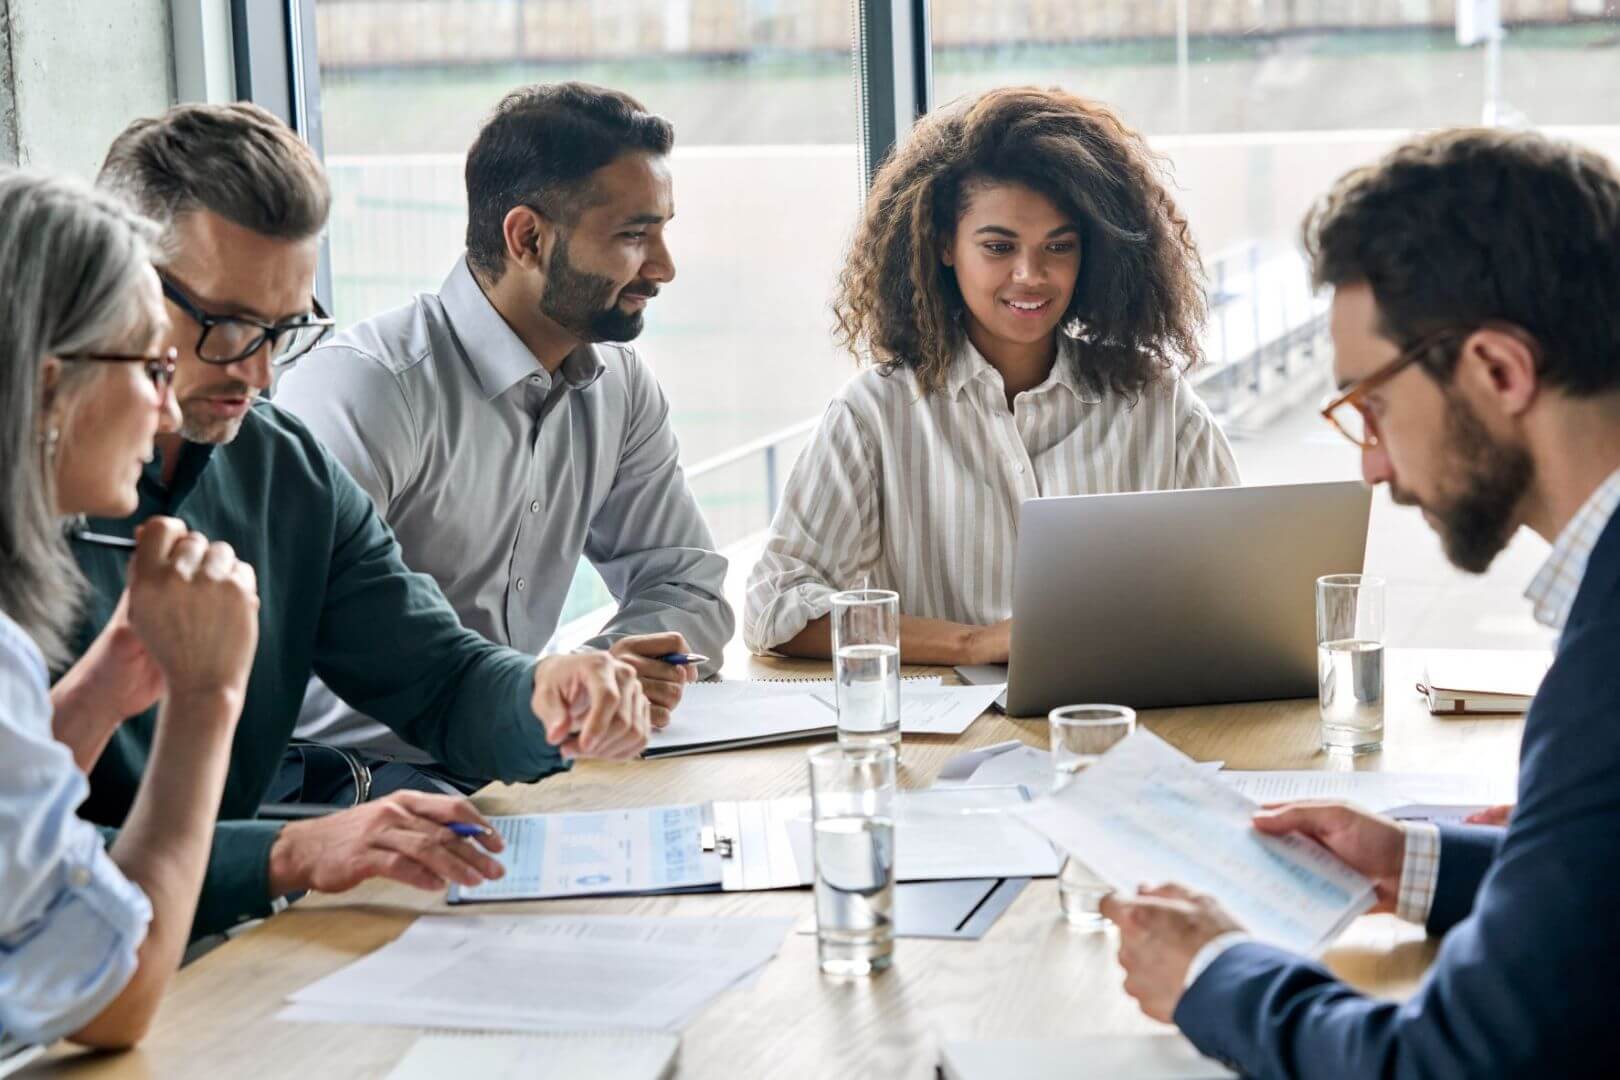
x,y
226,339
1349,415
159,368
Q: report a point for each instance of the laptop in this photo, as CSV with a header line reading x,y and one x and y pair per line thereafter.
x,y
1164,598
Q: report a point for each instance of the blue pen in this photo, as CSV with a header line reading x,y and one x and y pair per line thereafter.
x,y
463,829
680,659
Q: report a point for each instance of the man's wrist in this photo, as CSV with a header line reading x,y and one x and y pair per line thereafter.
x,y
1210,952
285,872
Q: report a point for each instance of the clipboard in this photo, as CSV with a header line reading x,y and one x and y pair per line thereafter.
x,y
749,845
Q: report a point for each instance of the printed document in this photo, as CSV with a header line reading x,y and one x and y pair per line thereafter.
x,y
544,973
1376,791
649,849
1146,813
738,713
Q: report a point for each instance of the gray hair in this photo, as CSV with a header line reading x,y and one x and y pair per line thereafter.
x,y
71,264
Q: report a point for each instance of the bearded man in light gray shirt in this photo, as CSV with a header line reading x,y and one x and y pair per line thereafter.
x,y
503,428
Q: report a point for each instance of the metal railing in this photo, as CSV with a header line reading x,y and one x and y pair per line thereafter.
x,y
770,446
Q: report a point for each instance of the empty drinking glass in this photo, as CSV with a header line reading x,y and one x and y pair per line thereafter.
x,y
852,827
866,666
1080,735
1350,662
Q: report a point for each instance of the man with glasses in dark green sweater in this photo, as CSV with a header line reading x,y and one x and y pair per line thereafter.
x,y
243,201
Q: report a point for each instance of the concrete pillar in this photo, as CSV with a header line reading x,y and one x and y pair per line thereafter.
x,y
72,75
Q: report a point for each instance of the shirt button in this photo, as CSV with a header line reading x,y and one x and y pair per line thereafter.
x,y
535,379
534,507
80,877
1019,468
520,584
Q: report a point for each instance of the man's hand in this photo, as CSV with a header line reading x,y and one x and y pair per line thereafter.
x,y
1160,931
662,683
1491,815
404,836
592,705
1371,845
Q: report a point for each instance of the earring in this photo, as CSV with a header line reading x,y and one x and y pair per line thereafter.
x,y
48,440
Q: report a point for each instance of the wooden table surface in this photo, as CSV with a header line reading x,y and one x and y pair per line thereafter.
x,y
1030,976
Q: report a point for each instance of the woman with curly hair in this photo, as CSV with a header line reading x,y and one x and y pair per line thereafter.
x,y
1030,297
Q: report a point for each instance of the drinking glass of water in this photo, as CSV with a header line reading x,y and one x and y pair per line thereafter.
x,y
1080,735
852,828
1350,662
866,666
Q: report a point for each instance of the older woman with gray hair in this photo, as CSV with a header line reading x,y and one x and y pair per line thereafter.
x,y
90,936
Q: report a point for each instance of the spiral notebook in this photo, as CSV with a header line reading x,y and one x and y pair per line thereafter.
x,y
624,1055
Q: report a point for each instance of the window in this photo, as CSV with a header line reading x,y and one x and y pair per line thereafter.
x,y
767,188
1258,106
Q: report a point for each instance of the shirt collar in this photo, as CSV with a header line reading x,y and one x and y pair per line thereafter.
x,y
1556,584
498,356
971,366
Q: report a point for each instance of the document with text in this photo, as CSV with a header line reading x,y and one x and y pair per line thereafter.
x,y
1146,813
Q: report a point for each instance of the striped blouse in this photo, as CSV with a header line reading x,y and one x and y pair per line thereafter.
x,y
920,493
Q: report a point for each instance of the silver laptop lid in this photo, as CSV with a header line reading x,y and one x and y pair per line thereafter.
x,y
1164,598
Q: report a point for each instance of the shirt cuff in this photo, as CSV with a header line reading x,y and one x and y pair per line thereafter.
x,y
1420,871
1208,954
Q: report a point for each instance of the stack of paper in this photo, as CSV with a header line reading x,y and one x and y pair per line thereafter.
x,y
1145,812
1482,680
537,973
1379,792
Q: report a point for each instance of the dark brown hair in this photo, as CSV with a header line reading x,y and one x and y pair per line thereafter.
x,y
1138,303
1459,227
238,161
539,148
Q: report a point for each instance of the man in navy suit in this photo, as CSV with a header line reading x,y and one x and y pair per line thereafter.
x,y
1476,325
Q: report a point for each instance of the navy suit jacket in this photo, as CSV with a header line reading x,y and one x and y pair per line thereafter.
x,y
1527,979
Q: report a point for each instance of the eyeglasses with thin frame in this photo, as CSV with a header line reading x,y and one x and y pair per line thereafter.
x,y
159,368
226,339
1347,411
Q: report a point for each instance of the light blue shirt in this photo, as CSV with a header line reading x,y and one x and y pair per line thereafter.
x,y
70,922
496,476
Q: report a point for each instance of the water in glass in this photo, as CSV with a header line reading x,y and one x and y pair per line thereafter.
x,y
854,894
868,694
1351,673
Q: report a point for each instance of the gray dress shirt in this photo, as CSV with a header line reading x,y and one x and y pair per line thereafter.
x,y
496,476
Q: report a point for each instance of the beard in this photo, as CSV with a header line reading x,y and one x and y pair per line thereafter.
x,y
586,304
1475,519
197,427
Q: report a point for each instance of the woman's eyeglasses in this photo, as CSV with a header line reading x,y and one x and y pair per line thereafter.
x,y
159,368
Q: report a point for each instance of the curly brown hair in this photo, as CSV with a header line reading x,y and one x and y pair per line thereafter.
x,y
1139,301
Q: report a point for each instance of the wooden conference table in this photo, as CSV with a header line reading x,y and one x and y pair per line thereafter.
x,y
1030,976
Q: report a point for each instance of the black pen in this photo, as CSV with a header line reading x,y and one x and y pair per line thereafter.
x,y
117,543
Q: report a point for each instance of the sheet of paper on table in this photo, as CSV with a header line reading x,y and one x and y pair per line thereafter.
x,y
1377,791
1146,813
1004,763
544,973
947,834
1099,1057
642,1055
935,710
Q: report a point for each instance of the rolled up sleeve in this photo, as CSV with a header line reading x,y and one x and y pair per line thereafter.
x,y
825,535
71,924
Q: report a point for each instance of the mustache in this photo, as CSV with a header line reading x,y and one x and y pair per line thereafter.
x,y
1402,498
235,389
647,291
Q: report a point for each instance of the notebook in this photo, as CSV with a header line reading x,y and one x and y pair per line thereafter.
x,y
1464,681
636,1055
